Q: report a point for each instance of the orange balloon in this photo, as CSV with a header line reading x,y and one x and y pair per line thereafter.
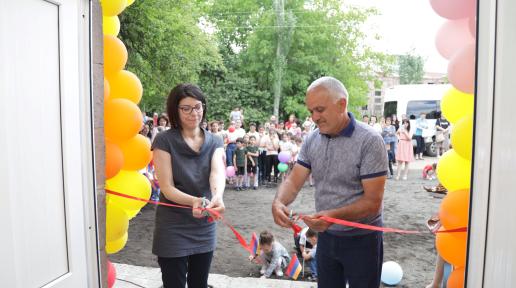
x,y
125,84
456,278
114,159
122,120
115,55
452,247
454,209
106,90
137,153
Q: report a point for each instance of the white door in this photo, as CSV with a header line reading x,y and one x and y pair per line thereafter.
x,y
42,195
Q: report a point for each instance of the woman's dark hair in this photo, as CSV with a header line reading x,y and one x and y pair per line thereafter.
x,y
178,93
163,117
406,121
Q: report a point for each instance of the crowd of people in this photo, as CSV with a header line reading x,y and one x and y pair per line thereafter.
x,y
253,152
397,136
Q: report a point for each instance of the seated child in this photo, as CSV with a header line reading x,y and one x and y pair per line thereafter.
x,y
273,256
300,241
309,253
429,171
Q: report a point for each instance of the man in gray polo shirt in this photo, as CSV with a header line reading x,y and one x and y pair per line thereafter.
x,y
348,161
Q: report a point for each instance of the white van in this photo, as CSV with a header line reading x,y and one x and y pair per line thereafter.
x,y
412,100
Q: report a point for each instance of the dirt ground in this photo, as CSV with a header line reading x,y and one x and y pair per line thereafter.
x,y
406,206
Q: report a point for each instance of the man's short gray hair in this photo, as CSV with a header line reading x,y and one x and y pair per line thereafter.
x,y
332,85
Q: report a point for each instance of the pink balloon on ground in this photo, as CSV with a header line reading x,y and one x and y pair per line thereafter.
x,y
452,36
461,69
111,274
454,9
230,171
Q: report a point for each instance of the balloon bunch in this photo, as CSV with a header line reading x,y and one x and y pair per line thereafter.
x,y
455,41
126,150
284,158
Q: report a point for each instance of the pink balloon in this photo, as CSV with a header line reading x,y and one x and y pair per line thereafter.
x,y
230,171
111,278
461,69
472,25
452,36
454,9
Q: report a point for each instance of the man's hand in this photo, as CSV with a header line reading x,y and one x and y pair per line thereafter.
x,y
315,223
281,213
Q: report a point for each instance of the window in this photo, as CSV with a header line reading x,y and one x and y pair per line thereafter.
x,y
378,93
378,100
389,108
430,107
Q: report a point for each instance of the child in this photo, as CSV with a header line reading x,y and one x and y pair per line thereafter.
x,y
286,146
429,171
309,254
273,256
239,163
252,162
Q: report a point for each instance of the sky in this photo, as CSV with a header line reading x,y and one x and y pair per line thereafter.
x,y
405,25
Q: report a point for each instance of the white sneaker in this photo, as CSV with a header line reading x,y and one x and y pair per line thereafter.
x,y
262,271
278,272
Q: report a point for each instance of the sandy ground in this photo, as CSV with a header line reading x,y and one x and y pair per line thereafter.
x,y
406,206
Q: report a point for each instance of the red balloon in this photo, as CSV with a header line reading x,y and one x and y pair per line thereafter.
x,y
452,37
454,9
461,69
231,129
111,278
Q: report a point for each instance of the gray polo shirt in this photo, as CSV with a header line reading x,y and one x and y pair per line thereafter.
x,y
338,166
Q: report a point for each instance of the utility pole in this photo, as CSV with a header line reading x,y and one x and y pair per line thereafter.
x,y
284,30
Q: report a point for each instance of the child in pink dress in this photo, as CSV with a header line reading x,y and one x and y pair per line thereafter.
x,y
405,152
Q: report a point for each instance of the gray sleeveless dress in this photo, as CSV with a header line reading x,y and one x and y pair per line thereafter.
x,y
177,233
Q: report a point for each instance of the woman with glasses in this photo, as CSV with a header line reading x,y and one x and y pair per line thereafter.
x,y
190,169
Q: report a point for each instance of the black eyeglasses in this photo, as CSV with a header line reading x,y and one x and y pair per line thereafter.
x,y
187,109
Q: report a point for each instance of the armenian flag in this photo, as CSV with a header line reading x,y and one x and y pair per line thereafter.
x,y
294,267
254,245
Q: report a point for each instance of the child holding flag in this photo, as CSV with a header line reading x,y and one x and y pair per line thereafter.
x,y
273,256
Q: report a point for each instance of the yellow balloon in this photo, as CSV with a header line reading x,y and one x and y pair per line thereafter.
x,y
110,25
456,104
113,7
462,137
113,247
115,55
124,84
453,171
117,222
130,183
132,213
129,2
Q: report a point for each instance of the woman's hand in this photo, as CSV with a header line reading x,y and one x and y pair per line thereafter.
x,y
196,208
216,205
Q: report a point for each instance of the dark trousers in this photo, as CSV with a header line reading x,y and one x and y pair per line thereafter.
x,y
230,150
193,269
261,166
272,163
420,148
356,260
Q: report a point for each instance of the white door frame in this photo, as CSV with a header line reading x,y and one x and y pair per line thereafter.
x,y
491,248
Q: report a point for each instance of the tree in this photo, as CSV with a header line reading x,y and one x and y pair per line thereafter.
x,y
411,68
166,47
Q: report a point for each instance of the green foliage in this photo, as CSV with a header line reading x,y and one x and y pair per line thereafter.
x,y
165,46
235,64
411,68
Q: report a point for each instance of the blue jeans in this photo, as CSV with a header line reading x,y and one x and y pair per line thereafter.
x,y
356,260
313,264
230,150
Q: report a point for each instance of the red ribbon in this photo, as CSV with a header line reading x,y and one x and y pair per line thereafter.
x,y
295,227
